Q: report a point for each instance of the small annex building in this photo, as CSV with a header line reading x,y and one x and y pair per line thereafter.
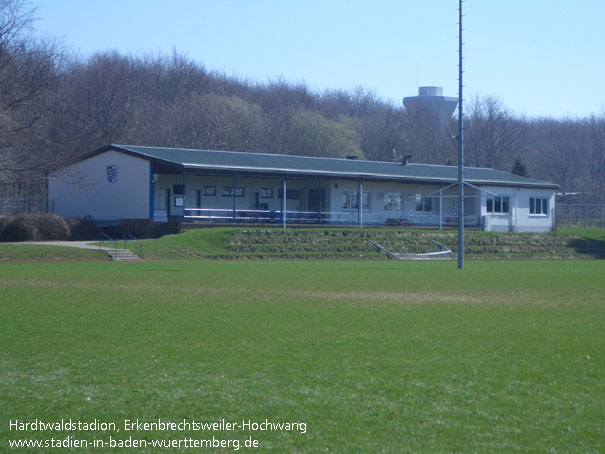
x,y
172,184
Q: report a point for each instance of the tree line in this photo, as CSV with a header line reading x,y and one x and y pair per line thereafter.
x,y
56,107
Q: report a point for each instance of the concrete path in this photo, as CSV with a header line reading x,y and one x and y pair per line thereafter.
x,y
77,244
116,254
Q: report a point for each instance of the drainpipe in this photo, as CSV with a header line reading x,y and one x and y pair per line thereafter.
x,y
440,208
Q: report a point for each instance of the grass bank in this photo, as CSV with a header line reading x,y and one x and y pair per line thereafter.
x,y
346,244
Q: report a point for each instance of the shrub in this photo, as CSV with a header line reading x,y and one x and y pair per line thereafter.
x,y
34,227
51,227
4,221
83,229
22,228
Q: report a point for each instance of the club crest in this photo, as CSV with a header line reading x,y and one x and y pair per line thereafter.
x,y
112,174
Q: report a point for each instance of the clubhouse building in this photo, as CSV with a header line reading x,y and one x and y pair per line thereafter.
x,y
173,184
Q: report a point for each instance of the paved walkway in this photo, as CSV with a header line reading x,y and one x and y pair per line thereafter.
x,y
77,244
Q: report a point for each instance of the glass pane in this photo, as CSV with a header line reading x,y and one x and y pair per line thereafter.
x,y
505,204
498,205
346,200
418,202
396,202
545,206
365,202
532,209
490,205
428,204
388,202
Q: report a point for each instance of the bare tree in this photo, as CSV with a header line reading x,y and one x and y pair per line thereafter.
x,y
492,134
596,152
28,79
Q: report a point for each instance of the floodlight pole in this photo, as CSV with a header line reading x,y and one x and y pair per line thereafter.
x,y
460,146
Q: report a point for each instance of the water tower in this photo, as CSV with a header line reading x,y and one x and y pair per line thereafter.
x,y
431,100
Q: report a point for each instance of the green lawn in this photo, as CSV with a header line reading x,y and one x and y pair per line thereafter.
x,y
374,357
43,253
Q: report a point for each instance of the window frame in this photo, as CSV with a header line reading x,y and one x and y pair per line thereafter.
x,y
267,193
424,203
352,200
499,204
539,206
291,194
240,191
388,205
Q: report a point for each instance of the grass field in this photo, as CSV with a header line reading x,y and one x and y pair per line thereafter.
x,y
374,357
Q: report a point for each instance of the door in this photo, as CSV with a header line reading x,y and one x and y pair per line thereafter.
x,y
254,199
164,202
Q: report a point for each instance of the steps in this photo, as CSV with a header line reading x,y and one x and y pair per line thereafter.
x,y
123,255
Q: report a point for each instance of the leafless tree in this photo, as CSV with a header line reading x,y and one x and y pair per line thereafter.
x,y
596,152
493,135
28,80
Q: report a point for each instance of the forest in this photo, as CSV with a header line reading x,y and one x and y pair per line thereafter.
x,y
56,107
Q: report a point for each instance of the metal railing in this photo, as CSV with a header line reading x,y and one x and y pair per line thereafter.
x,y
134,241
105,239
351,217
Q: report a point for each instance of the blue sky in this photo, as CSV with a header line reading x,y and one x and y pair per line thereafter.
x,y
540,57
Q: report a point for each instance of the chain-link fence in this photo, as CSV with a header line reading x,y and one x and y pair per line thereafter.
x,y
31,204
580,215
24,197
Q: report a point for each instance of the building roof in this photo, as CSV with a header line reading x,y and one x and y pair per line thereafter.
x,y
232,161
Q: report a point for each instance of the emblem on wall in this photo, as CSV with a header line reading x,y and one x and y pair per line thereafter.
x,y
112,174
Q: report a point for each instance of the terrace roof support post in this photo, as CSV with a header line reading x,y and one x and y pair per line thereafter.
x,y
320,197
184,194
440,208
283,202
360,203
47,195
234,199
515,226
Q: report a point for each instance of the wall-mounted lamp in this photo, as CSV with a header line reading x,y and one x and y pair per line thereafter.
x,y
155,178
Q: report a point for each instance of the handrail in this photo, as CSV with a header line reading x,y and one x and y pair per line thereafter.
x,y
134,240
103,238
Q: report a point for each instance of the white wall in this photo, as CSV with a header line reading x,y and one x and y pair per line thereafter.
x,y
518,219
83,189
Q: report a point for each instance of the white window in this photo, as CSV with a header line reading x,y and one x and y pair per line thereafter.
x,y
538,205
393,201
228,191
349,200
424,204
498,205
291,194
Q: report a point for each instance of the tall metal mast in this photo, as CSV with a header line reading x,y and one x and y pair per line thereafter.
x,y
460,146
